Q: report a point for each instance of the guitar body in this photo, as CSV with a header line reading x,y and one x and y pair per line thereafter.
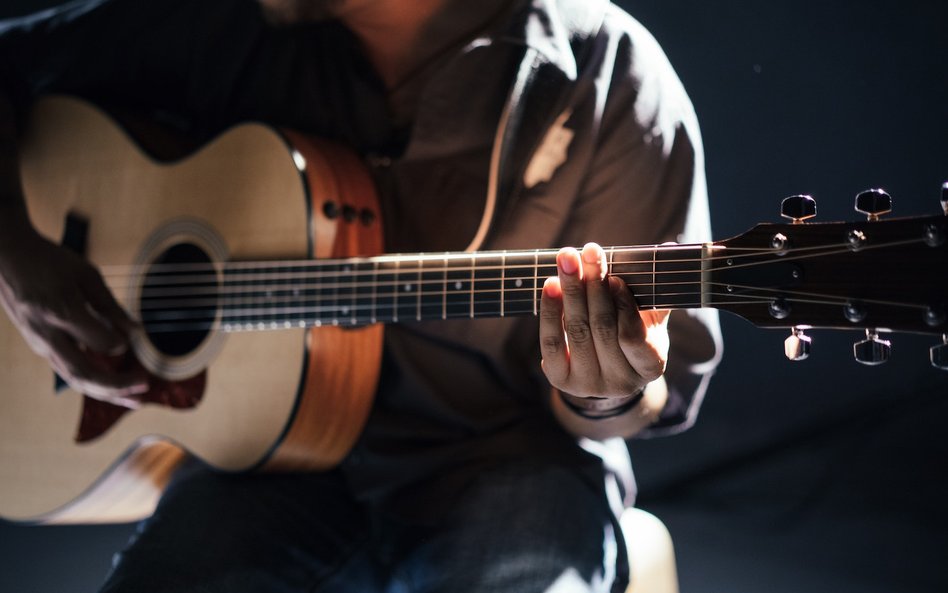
x,y
284,400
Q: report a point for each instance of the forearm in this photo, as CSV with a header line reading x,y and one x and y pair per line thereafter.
x,y
626,425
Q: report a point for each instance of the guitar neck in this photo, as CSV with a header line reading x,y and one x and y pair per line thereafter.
x,y
399,288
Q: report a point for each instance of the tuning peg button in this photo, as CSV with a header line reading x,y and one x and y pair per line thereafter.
x,y
939,354
873,203
797,345
798,208
872,350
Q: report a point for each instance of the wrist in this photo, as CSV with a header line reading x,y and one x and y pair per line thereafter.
x,y
601,408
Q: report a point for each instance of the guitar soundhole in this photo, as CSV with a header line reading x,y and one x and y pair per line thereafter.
x,y
179,299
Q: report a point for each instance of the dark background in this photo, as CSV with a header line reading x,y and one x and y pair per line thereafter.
x,y
822,475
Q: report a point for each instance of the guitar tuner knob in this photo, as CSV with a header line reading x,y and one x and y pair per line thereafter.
x,y
939,354
944,197
798,208
873,350
797,345
873,203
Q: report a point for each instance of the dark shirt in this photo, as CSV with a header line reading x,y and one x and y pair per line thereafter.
x,y
457,393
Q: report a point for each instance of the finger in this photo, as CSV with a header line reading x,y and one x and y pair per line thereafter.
x,y
85,376
582,351
553,350
603,322
643,357
89,329
104,303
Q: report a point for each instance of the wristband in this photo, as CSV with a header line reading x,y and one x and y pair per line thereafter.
x,y
592,409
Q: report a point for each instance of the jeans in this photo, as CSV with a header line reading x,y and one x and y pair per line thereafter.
x,y
517,527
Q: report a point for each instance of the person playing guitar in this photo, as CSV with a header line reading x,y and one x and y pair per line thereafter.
x,y
468,473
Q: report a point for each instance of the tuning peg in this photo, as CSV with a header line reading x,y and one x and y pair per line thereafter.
x,y
797,345
939,354
798,208
872,350
873,203
944,197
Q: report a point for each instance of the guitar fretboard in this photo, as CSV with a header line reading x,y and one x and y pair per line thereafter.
x,y
402,288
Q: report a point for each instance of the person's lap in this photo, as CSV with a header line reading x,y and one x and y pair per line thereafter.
x,y
517,527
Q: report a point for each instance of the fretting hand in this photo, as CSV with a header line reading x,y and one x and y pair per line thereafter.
x,y
594,340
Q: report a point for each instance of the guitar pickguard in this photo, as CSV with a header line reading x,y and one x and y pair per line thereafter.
x,y
99,416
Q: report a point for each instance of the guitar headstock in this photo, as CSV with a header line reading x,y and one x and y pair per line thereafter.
x,y
874,276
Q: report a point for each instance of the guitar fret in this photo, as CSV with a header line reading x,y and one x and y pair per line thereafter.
x,y
473,260
457,293
418,291
346,302
431,294
396,282
375,283
503,277
517,284
406,291
654,257
679,282
363,293
444,291
487,287
386,296
326,295
536,271
636,267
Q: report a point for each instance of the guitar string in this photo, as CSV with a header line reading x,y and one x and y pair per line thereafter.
x,y
210,323
352,309
134,271
417,298
254,290
404,286
334,274
530,254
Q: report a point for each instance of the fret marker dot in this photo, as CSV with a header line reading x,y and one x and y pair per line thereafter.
x,y
408,288
296,292
345,310
518,283
458,285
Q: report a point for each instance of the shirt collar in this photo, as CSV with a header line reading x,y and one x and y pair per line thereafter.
x,y
549,26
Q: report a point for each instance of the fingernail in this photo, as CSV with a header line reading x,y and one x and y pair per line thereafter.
x,y
591,254
551,287
567,263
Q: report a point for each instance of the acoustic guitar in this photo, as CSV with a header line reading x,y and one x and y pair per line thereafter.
x,y
252,266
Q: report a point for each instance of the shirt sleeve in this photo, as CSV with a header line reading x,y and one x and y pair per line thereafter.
x,y
646,183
